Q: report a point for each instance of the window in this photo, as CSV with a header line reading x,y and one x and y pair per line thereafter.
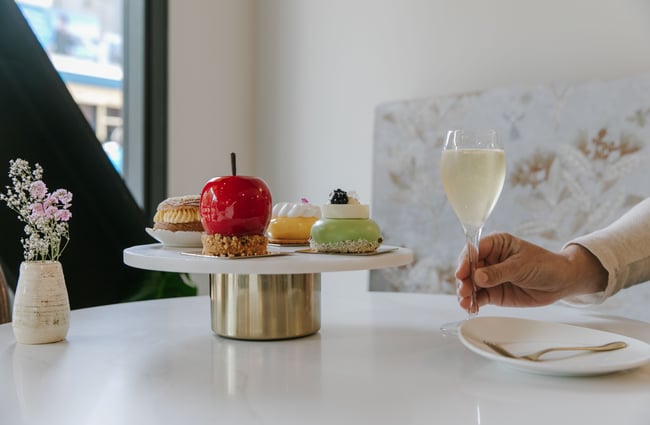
x,y
84,41
103,50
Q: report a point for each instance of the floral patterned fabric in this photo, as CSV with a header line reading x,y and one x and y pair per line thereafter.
x,y
577,159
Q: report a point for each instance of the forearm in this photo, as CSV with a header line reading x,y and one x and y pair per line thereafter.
x,y
623,250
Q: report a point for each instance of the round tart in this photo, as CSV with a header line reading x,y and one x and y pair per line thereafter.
x,y
345,226
291,222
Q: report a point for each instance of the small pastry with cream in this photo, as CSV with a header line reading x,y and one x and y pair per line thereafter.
x,y
291,222
180,213
346,226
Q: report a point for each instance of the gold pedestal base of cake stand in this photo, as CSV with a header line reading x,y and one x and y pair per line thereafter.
x,y
265,306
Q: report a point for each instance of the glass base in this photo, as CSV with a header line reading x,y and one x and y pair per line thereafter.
x,y
451,328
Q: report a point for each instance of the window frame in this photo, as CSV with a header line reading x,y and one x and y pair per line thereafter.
x,y
145,101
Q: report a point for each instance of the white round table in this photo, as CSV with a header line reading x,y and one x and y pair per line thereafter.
x,y
379,359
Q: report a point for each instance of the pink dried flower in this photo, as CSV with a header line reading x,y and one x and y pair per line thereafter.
x,y
38,190
46,215
63,215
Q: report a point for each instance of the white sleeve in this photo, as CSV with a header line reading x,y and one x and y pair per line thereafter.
x,y
623,248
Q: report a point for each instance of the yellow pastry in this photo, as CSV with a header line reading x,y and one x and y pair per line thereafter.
x,y
291,222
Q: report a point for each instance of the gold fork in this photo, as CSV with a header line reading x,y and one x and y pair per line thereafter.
x,y
616,345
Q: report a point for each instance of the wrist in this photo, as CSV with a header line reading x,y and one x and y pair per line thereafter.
x,y
587,274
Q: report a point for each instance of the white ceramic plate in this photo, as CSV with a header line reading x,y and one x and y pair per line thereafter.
x,y
176,239
522,336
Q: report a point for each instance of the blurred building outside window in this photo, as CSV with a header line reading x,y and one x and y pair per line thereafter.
x,y
84,41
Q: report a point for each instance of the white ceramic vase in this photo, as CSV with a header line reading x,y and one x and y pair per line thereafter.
x,y
41,312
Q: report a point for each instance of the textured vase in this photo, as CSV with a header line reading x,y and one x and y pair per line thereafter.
x,y
41,312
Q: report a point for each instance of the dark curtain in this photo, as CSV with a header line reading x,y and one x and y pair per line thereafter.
x,y
40,122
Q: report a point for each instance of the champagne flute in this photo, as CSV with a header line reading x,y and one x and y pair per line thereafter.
x,y
473,169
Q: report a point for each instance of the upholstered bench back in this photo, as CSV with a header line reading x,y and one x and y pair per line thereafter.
x,y
577,158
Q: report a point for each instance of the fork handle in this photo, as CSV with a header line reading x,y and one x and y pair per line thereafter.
x,y
616,345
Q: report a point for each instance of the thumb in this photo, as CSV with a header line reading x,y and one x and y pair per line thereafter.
x,y
490,276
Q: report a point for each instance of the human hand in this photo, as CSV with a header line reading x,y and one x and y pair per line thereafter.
x,y
515,273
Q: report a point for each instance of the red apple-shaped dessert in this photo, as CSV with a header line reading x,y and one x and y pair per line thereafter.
x,y
235,211
235,206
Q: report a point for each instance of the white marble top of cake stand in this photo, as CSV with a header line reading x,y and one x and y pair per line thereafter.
x,y
186,260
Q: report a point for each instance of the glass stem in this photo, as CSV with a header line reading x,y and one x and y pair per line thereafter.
x,y
473,237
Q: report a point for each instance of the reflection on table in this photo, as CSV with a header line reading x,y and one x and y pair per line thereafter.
x,y
379,358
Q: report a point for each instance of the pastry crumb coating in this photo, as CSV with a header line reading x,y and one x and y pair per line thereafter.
x,y
234,246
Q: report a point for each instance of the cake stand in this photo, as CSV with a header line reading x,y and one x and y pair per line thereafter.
x,y
265,298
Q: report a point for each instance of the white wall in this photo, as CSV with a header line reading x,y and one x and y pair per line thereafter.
x,y
323,66
210,91
292,84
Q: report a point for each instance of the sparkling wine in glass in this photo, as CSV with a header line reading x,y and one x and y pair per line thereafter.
x,y
473,169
